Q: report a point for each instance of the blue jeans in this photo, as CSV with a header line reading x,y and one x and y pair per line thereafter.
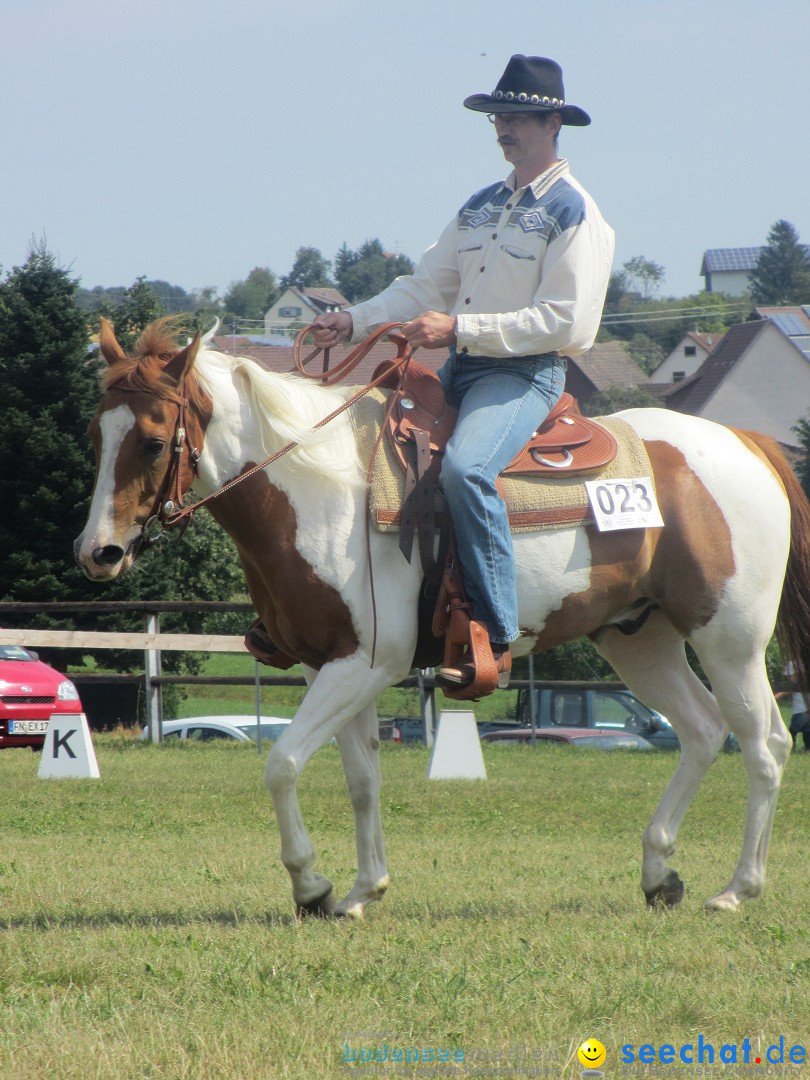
x,y
501,403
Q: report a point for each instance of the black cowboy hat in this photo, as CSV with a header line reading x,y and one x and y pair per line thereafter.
x,y
529,84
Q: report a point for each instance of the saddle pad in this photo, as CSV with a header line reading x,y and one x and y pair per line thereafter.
x,y
534,502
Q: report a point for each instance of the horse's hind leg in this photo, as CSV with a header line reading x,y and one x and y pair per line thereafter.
x,y
653,664
748,705
359,744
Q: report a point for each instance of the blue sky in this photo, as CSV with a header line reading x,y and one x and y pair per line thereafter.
x,y
192,141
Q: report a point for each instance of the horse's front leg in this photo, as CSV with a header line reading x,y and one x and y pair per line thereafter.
x,y
341,690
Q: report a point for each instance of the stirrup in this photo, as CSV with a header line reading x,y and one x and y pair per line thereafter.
x,y
464,675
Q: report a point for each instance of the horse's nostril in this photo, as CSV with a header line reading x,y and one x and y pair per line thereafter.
x,y
108,556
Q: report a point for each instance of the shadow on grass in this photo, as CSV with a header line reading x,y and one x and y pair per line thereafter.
x,y
103,920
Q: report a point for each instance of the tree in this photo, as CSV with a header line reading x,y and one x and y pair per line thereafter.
x,y
137,307
618,287
172,298
310,270
49,390
802,429
782,273
366,272
620,397
250,299
645,274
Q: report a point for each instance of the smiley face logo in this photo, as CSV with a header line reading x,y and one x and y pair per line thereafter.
x,y
592,1054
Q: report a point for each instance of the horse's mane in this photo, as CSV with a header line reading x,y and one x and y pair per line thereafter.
x,y
143,369
286,405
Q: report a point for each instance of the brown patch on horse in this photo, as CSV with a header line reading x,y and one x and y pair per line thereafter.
x,y
682,568
694,553
303,614
138,476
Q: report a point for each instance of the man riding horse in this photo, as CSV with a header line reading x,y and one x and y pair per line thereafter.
x,y
515,283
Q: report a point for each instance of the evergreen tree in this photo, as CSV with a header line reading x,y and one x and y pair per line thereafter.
x,y
49,391
46,467
782,274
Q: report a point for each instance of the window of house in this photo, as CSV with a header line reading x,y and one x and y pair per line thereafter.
x,y
690,350
678,375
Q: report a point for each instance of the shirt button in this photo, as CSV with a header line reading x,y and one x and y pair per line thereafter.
x,y
483,268
508,206
467,301
494,236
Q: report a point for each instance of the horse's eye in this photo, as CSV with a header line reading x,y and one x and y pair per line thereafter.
x,y
153,447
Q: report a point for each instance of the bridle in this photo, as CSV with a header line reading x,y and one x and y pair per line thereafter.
x,y
167,510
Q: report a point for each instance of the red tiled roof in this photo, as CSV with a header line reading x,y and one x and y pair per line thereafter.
x,y
280,358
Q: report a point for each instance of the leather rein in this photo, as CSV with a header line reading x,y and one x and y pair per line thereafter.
x,y
167,509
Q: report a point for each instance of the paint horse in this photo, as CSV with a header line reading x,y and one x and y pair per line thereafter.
x,y
731,562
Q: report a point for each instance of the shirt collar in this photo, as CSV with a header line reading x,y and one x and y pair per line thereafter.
x,y
543,182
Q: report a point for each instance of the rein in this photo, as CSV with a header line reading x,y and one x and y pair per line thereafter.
x,y
163,514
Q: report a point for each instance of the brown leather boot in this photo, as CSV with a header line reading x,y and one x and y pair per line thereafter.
x,y
464,674
259,644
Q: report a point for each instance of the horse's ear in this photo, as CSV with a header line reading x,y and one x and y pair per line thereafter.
x,y
181,363
108,343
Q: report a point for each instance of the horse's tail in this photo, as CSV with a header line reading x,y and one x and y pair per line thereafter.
x,y
793,617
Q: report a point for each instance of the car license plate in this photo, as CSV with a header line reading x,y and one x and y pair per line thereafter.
x,y
27,727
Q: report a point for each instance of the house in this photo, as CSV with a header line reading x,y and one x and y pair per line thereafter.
x,y
686,357
792,321
604,366
298,307
726,270
758,377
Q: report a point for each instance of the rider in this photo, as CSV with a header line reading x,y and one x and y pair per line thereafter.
x,y
515,283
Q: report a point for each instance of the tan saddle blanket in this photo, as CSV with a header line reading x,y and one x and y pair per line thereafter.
x,y
541,487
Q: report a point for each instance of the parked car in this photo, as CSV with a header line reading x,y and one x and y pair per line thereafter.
x,y
210,728
30,692
592,738
603,707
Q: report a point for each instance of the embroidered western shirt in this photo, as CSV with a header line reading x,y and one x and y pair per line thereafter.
x,y
524,271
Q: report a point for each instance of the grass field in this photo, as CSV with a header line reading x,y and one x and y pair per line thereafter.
x,y
146,926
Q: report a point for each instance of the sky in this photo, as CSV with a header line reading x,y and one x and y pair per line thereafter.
x,y
192,140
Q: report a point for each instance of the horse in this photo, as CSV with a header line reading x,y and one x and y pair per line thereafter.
x,y
731,563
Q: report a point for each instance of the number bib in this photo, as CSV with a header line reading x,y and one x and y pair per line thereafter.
x,y
624,503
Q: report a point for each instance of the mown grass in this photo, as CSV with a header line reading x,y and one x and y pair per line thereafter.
x,y
146,926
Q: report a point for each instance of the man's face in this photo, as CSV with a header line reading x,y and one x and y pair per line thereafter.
x,y
526,137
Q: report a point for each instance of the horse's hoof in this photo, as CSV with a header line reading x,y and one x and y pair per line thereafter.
x,y
724,901
668,894
356,912
322,907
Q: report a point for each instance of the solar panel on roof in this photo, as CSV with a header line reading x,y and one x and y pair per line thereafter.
x,y
789,324
719,259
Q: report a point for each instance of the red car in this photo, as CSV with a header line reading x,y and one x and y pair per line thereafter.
x,y
30,692
595,738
